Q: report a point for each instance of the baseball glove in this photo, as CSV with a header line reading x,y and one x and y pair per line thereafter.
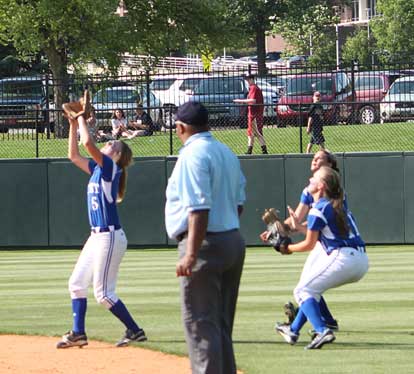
x,y
279,232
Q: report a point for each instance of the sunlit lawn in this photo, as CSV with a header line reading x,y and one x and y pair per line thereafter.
x,y
340,138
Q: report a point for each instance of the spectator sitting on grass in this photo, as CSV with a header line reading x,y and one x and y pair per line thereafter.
x,y
142,125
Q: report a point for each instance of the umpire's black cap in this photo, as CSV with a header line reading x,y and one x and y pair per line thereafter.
x,y
192,113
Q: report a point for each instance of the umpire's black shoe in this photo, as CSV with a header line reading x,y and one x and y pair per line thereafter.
x,y
131,336
71,339
320,339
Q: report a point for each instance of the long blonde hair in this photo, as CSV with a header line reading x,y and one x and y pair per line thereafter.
x,y
124,161
335,193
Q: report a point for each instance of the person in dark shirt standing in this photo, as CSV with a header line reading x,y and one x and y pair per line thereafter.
x,y
254,115
315,123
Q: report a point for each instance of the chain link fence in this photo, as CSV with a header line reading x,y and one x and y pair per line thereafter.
x,y
360,110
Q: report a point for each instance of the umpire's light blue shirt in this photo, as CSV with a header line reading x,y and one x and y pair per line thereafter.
x,y
207,175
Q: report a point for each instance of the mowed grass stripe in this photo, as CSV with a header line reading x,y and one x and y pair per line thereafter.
x,y
375,315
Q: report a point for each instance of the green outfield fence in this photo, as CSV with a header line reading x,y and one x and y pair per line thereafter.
x,y
364,110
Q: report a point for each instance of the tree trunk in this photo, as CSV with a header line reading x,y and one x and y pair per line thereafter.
x,y
261,48
58,64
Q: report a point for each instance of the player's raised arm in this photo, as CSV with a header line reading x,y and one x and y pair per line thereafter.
x,y
73,148
88,142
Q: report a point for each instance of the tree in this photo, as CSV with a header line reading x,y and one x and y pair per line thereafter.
x,y
309,27
73,32
393,29
65,31
359,48
254,17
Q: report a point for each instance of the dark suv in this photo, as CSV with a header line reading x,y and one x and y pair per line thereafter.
x,y
218,93
23,104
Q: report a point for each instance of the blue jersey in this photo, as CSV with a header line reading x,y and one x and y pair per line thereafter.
x,y
307,199
102,193
322,218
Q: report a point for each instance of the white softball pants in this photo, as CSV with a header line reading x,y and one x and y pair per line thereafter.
x,y
322,272
99,263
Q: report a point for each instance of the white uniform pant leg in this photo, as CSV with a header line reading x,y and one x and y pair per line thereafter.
x,y
312,258
342,266
109,248
82,274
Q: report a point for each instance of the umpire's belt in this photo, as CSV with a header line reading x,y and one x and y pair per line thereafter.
x,y
96,230
184,234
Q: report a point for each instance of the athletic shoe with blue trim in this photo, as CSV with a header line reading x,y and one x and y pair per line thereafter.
x,y
71,339
131,336
320,339
331,326
287,334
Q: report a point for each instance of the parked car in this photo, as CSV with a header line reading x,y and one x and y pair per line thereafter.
x,y
26,102
269,57
106,100
297,97
398,103
218,93
292,62
172,91
370,88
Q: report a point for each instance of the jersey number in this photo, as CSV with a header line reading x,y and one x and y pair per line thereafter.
x,y
94,203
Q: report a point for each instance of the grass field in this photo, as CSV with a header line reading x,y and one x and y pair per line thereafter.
x,y
341,138
375,315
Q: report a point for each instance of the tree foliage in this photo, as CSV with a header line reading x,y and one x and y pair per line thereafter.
x,y
394,28
254,19
308,27
359,48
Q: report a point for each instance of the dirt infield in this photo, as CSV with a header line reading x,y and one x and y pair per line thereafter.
x,y
38,355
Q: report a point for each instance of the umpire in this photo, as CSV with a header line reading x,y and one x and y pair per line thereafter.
x,y
205,196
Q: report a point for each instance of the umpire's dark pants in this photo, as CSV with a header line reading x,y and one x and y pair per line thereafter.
x,y
208,302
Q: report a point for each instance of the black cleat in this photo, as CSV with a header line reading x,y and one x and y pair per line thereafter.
x,y
71,339
131,336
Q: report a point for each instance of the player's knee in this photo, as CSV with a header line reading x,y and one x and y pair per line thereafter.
x,y
302,293
104,300
77,292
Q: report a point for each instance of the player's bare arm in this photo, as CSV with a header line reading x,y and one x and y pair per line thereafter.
x,y
306,245
197,228
295,221
88,142
301,211
73,151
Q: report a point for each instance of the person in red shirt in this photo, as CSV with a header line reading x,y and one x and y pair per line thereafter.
x,y
254,115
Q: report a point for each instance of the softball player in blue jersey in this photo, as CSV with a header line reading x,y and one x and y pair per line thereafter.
x,y
321,158
343,259
101,255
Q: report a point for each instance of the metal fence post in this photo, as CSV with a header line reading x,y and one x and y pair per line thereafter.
x,y
147,82
37,132
47,104
171,134
300,119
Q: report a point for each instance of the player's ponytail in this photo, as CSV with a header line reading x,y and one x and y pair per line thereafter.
x,y
123,162
335,193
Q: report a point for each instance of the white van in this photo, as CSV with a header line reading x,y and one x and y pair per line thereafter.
x,y
398,103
